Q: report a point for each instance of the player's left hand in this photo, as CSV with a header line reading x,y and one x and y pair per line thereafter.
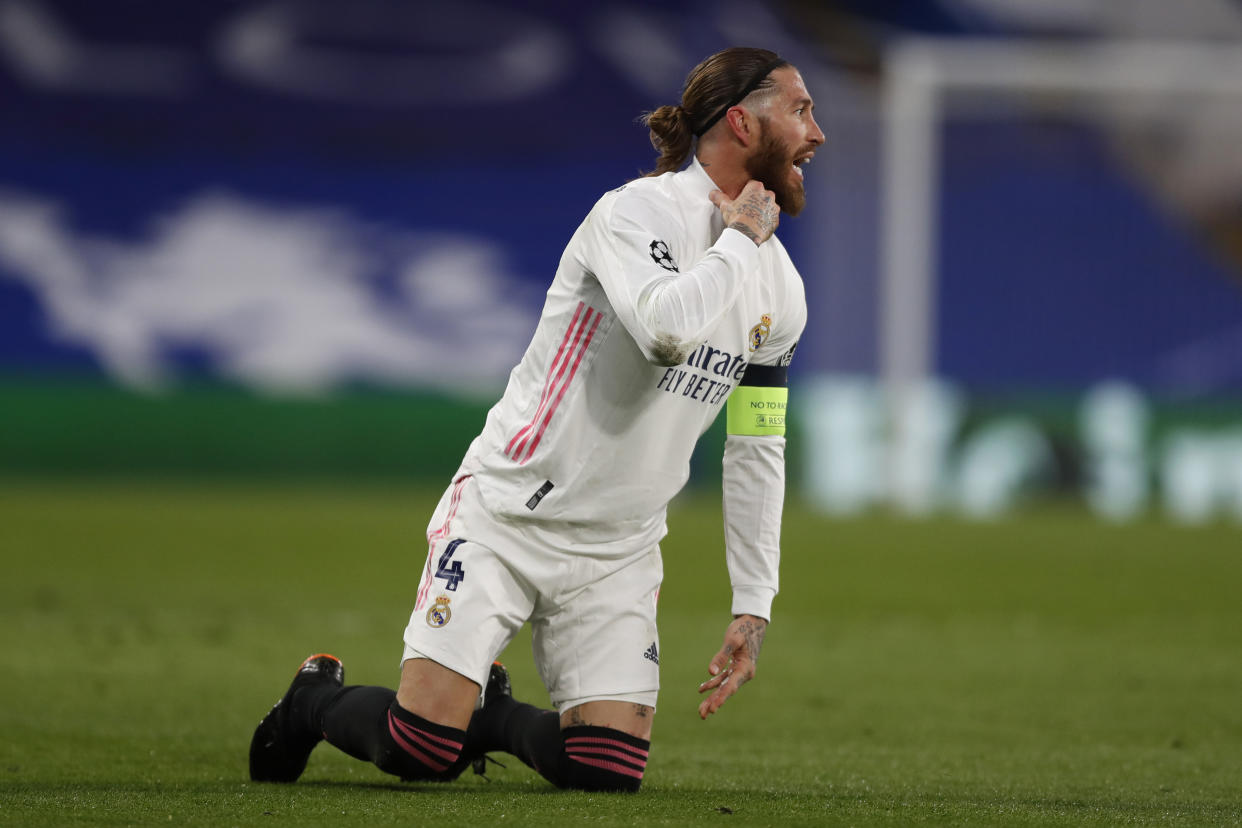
x,y
734,664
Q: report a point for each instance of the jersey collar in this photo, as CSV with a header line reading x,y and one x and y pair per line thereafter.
x,y
698,182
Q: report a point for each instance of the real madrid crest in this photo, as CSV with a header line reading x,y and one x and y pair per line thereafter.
x,y
439,614
759,333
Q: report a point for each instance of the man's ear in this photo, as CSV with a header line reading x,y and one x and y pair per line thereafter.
x,y
743,125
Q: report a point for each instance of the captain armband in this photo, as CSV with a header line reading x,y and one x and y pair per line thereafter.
x,y
756,407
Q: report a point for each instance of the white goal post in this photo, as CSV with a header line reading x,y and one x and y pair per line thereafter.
x,y
919,75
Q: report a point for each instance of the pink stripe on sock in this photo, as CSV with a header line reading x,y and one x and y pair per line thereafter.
x,y
612,743
615,754
413,749
427,740
611,766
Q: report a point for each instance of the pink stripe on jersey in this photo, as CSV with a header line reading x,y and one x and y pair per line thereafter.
x,y
518,443
564,386
454,501
548,383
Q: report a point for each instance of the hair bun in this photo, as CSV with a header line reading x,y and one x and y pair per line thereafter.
x,y
670,134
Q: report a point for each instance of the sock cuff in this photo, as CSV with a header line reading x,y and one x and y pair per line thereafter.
x,y
609,734
434,748
606,748
604,759
455,735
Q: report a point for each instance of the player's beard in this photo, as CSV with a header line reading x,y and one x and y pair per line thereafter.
x,y
772,166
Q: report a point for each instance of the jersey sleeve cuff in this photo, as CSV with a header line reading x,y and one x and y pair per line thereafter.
x,y
753,600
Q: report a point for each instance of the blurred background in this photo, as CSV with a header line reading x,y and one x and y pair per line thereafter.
x,y
308,240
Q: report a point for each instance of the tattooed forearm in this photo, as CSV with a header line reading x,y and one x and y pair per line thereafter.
x,y
745,230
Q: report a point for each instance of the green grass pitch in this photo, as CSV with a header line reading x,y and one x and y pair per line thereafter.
x,y
1042,670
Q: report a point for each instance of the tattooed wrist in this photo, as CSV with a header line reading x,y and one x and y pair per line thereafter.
x,y
746,231
752,630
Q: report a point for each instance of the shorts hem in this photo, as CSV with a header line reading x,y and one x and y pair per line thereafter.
x,y
444,660
643,697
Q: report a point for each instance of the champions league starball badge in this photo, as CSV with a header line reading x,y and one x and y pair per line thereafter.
x,y
661,256
439,614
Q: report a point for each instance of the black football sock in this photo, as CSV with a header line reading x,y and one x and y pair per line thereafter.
x,y
368,724
358,713
529,733
583,758
604,759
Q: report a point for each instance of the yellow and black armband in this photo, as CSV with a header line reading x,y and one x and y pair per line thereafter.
x,y
757,406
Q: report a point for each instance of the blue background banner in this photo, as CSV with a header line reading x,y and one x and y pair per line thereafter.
x,y
297,196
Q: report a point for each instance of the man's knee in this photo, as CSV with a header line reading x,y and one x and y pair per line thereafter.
x,y
436,692
603,759
416,744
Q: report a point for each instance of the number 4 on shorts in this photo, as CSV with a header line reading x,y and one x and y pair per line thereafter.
x,y
449,569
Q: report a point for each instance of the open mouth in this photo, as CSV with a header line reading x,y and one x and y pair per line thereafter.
x,y
800,162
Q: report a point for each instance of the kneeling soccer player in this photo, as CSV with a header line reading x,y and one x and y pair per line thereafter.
x,y
673,299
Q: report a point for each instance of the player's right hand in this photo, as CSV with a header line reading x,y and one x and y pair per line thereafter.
x,y
753,212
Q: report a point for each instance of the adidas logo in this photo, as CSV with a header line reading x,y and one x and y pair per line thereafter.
x,y
652,654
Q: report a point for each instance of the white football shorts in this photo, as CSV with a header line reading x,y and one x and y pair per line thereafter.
x,y
593,620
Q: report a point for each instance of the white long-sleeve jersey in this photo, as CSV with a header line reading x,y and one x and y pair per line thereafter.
x,y
655,313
